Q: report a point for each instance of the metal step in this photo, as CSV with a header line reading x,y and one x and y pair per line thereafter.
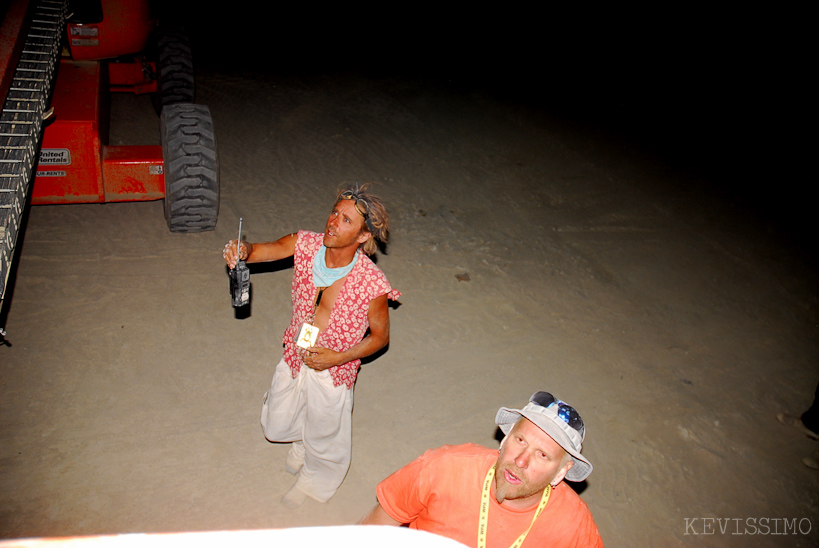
x,y
21,120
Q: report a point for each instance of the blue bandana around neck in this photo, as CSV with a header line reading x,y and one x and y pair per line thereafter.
x,y
323,276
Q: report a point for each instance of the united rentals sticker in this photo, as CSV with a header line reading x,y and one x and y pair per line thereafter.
x,y
84,35
80,30
55,157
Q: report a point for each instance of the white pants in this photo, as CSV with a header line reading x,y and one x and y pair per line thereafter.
x,y
317,417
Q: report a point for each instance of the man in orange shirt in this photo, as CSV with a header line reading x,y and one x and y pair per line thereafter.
x,y
506,498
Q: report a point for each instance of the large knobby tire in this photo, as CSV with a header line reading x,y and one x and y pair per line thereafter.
x,y
174,68
191,168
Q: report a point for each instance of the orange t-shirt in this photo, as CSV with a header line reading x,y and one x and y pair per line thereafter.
x,y
440,492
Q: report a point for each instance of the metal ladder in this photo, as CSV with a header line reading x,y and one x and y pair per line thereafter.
x,y
21,121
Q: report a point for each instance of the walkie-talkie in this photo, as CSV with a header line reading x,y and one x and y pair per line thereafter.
x,y
240,277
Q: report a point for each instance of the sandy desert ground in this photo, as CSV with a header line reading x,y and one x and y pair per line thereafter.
x,y
534,252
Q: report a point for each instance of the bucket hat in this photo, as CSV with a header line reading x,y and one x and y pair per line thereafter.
x,y
559,420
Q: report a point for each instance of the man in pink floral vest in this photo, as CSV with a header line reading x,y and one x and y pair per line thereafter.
x,y
340,315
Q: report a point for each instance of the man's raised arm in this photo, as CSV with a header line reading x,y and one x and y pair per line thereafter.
x,y
260,252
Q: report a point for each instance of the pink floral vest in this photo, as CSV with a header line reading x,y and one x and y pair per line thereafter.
x,y
348,319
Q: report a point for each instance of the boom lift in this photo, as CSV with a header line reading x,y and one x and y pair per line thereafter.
x,y
59,61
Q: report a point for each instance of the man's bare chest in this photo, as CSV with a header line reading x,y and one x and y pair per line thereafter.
x,y
326,300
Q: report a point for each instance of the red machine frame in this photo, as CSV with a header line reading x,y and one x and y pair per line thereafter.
x,y
54,106
76,165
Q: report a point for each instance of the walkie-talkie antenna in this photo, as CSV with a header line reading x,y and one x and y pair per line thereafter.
x,y
239,239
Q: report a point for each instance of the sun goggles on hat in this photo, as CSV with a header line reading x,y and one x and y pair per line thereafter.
x,y
565,412
360,206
